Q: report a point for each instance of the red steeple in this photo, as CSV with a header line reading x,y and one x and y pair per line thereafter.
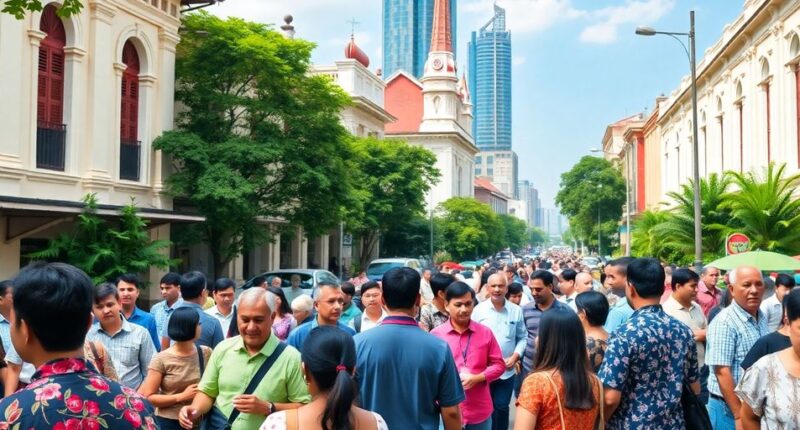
x,y
442,37
352,51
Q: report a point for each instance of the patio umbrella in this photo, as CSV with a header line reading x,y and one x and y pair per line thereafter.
x,y
765,261
452,265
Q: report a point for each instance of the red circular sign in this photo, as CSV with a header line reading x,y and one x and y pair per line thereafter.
x,y
737,243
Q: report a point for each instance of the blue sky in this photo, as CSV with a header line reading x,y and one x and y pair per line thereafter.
x,y
577,64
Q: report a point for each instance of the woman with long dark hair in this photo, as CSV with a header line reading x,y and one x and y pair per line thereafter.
x,y
562,392
329,359
282,320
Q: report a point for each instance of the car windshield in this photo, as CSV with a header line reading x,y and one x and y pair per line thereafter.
x,y
306,281
378,269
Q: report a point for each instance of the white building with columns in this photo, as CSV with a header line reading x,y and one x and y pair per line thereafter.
x,y
748,99
83,99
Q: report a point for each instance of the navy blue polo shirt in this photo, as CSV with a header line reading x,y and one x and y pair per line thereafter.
x,y
405,374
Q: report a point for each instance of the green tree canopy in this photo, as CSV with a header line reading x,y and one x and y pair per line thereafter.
x,y
516,231
259,138
591,195
19,8
390,179
106,249
469,229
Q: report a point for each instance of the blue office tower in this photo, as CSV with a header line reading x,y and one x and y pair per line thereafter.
x,y
490,83
407,27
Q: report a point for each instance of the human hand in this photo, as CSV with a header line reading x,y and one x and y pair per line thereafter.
x,y
187,416
250,404
511,361
188,393
468,381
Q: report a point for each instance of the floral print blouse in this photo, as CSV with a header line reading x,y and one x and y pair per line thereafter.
x,y
68,394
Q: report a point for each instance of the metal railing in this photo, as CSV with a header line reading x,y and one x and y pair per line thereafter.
x,y
130,159
51,145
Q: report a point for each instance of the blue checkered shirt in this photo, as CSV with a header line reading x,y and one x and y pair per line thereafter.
x,y
730,336
161,313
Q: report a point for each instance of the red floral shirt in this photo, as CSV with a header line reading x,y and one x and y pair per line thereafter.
x,y
69,394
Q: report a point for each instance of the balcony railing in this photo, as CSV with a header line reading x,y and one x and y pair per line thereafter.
x,y
51,145
129,159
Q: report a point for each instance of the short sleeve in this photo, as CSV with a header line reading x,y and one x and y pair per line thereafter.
x,y
209,384
296,388
614,370
691,372
276,421
380,422
720,344
12,356
451,392
157,364
752,388
533,392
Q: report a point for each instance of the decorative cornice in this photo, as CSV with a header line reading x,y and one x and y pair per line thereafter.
x,y
74,53
102,11
147,80
35,37
168,39
119,68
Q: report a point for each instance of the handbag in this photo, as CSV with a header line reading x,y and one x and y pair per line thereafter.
x,y
695,414
214,422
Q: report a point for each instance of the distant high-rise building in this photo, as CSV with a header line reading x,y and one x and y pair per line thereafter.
x,y
407,28
490,83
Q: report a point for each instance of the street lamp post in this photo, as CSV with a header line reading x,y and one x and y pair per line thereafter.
x,y
691,53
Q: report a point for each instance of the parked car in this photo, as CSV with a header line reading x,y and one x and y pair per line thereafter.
x,y
309,278
377,268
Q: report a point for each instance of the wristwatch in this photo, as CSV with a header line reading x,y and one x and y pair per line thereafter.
x,y
271,408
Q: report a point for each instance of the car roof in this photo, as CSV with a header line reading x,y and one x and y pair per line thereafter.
x,y
391,260
301,271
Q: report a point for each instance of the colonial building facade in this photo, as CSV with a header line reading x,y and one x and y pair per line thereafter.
x,y
748,96
84,97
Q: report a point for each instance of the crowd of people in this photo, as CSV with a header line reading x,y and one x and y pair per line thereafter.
x,y
644,346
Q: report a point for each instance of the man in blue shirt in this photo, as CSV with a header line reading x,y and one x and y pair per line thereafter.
x,y
170,286
328,304
541,284
128,289
508,326
649,358
406,375
193,291
616,280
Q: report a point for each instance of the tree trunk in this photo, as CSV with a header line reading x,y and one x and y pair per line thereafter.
x,y
367,242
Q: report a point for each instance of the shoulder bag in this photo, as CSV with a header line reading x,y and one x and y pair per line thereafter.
x,y
695,414
214,423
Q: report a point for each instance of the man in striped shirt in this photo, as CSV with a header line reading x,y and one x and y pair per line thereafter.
x,y
128,345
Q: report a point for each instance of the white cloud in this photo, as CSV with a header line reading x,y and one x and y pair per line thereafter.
x,y
525,16
630,14
518,60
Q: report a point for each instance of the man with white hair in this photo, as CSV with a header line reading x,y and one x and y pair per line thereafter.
x,y
249,376
303,309
729,338
583,282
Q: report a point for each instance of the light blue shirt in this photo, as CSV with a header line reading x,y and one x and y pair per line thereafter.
x,y
508,327
11,354
618,314
130,349
297,338
161,313
729,338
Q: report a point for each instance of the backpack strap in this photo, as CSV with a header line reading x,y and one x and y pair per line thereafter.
x,y
357,324
201,359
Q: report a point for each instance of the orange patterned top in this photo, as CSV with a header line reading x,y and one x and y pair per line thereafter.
x,y
537,397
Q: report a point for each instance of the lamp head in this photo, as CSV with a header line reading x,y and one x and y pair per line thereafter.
x,y
645,31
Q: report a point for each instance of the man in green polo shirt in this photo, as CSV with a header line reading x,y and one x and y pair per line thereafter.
x,y
235,361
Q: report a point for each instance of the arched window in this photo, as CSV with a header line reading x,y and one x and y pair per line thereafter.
x,y
130,154
766,85
740,113
51,133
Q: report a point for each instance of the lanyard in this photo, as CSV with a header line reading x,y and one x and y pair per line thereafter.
x,y
465,350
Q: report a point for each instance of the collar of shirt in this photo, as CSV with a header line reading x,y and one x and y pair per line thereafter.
x,y
126,327
216,312
178,303
556,304
673,301
450,329
61,366
400,320
3,320
702,288
649,309
364,316
266,350
744,315
138,313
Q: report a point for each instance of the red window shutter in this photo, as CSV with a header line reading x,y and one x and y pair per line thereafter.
x,y
50,85
129,111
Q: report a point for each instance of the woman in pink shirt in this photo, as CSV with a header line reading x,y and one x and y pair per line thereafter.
x,y
476,353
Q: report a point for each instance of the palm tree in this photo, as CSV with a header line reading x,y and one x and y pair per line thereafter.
x,y
677,230
646,242
767,209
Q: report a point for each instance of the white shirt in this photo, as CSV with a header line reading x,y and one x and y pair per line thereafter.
x,y
224,321
426,290
773,310
570,301
367,323
692,317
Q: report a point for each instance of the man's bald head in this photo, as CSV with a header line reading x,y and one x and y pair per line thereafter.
x,y
497,278
583,282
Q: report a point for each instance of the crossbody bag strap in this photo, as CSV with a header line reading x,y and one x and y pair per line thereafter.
x,y
258,377
201,360
100,361
602,424
558,398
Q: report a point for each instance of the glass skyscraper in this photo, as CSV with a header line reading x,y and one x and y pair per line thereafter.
x,y
490,83
407,26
